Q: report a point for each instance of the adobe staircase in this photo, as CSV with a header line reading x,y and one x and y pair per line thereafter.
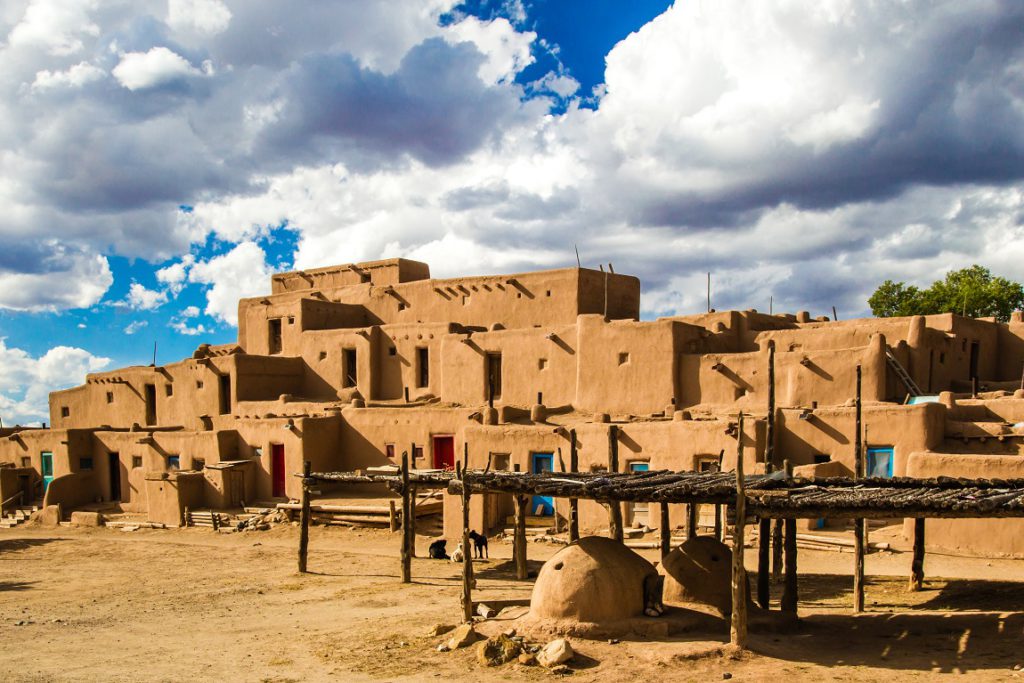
x,y
17,515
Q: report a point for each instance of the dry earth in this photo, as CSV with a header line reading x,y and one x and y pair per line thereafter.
x,y
193,605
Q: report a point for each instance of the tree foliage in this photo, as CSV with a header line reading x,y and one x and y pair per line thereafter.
x,y
973,291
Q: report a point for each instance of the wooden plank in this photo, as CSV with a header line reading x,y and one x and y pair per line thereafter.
x,y
738,621
691,520
917,564
304,518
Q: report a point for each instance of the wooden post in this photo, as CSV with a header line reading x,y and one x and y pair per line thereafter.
x,y
764,551
777,550
406,514
614,506
519,539
718,523
738,623
467,553
304,521
917,564
392,516
766,539
691,520
665,530
574,504
789,589
858,524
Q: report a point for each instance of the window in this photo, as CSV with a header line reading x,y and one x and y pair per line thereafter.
x,y
198,464
349,372
26,461
257,452
136,461
549,292
542,364
417,453
500,461
708,464
225,394
110,397
422,367
168,390
65,411
150,394
274,335
323,355
821,457
389,450
85,463
392,351
493,379
623,358
173,462
401,306
199,384
291,320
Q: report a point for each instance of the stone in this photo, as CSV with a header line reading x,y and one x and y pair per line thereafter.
x,y
485,611
439,629
497,650
463,636
528,659
561,670
558,651
49,516
726,676
81,518
443,647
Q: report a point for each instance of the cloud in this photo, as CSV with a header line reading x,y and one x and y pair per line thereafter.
x,y
74,77
135,326
241,272
56,26
25,381
158,66
208,17
141,299
52,276
175,275
506,50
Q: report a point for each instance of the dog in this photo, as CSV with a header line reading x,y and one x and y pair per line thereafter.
x,y
437,550
479,545
458,555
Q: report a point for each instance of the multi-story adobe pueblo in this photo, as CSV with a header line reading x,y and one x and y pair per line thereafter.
x,y
348,366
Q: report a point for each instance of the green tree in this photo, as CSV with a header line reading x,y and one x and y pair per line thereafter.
x,y
972,291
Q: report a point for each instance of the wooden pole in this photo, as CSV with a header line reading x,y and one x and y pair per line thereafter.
x,y
614,507
519,539
718,523
917,564
691,520
304,519
764,527
738,623
666,531
406,514
574,504
858,524
392,516
789,588
467,555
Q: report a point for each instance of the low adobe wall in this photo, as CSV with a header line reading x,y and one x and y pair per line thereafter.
x,y
71,490
985,537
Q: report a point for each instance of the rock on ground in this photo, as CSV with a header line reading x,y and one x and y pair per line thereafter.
x,y
463,636
558,651
498,650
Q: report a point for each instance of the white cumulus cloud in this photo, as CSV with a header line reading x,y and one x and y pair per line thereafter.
x,y
241,272
142,299
158,66
25,381
209,17
74,77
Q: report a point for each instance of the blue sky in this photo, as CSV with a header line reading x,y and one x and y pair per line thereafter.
x,y
160,159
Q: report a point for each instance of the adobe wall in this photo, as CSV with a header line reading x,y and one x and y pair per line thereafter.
x,y
985,537
384,272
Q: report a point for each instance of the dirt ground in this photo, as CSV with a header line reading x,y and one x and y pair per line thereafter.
x,y
195,605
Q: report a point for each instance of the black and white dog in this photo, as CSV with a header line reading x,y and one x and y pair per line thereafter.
x,y
479,544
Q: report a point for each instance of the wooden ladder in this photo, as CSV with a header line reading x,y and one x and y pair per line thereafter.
x,y
901,372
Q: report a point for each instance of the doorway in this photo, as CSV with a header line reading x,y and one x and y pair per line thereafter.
x,y
879,461
277,474
444,452
150,404
639,512
225,394
542,506
46,467
114,460
493,379
975,352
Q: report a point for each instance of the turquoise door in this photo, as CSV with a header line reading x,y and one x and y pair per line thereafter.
x,y
879,462
47,469
542,506
639,512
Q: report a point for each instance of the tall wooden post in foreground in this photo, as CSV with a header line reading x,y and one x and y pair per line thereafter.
x,y
790,596
738,623
764,527
691,520
304,518
614,507
665,530
917,564
519,537
467,554
574,504
407,512
858,524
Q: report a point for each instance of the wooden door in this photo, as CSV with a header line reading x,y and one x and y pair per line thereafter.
x,y
444,452
277,471
114,460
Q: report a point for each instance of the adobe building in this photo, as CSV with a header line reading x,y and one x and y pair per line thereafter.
x,y
349,366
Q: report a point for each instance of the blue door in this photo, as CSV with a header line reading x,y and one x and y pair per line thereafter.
x,y
879,462
639,512
46,467
542,506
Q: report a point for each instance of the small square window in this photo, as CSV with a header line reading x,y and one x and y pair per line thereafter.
x,y
136,461
323,355
401,306
623,358
169,390
942,357
110,397
549,292
26,461
291,320
198,464
65,411
85,463
199,384
173,462
392,351
542,363
389,450
417,453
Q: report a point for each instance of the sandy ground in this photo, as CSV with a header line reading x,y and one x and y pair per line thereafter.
x,y
193,605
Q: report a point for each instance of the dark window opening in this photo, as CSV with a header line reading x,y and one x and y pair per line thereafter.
x,y
173,462
291,320
975,349
26,461
401,306
417,453
350,375
274,335
389,450
708,465
199,384
136,461
500,461
422,367
65,411
323,355
198,464
819,458
225,394
85,463
169,390
150,404
110,397
942,357
392,351
623,358
493,387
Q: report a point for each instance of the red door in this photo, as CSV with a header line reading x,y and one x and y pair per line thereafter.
x,y
277,473
444,452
